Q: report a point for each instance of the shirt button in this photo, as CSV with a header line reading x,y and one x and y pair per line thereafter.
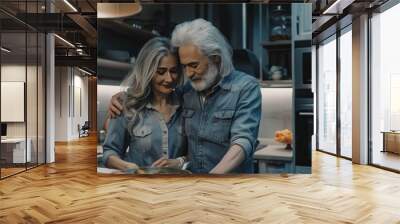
x,y
165,132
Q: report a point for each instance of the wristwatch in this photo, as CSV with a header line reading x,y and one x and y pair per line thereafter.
x,y
181,161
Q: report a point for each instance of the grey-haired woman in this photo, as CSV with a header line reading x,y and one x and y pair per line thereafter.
x,y
150,128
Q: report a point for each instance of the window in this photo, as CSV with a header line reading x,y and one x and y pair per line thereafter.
x,y
385,86
346,93
327,95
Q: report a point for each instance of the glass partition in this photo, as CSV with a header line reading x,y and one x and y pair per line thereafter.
x,y
14,153
22,87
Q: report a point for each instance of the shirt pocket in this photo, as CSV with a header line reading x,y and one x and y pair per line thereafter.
x,y
225,115
142,138
221,125
188,119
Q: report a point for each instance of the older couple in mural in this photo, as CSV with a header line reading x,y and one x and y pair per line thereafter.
x,y
207,125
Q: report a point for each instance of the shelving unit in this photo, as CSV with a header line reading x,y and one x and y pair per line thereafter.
x,y
278,46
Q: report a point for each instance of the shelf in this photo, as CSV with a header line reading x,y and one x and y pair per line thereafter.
x,y
276,84
126,30
277,44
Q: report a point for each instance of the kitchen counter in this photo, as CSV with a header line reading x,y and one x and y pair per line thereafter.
x,y
274,159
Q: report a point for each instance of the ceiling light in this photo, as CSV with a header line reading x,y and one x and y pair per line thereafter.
x,y
5,50
70,5
65,41
84,71
337,7
117,10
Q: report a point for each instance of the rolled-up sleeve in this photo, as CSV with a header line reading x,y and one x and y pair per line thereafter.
x,y
116,141
246,121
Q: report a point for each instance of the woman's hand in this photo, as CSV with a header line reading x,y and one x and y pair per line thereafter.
x,y
164,162
132,168
129,165
122,165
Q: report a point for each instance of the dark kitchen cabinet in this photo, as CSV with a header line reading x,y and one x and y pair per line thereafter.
x,y
304,126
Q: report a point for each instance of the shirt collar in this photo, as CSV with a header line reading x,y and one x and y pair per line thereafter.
x,y
150,106
226,81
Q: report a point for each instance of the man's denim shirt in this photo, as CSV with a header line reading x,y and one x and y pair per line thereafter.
x,y
230,115
146,144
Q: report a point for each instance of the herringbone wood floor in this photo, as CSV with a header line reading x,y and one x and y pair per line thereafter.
x,y
70,191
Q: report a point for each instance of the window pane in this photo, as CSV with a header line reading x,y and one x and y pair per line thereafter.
x,y
31,96
327,96
346,94
385,87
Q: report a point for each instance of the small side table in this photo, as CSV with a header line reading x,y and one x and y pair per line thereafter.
x,y
391,141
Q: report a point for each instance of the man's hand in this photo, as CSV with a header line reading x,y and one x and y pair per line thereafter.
x,y
115,107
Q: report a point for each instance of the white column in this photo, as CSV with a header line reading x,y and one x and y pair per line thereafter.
x,y
360,90
50,92
50,101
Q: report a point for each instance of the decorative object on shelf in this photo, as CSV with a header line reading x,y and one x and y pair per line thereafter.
x,y
277,72
280,32
280,23
284,136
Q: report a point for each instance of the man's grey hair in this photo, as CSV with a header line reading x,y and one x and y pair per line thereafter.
x,y
139,91
207,38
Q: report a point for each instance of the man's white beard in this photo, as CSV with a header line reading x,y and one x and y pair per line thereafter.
x,y
207,80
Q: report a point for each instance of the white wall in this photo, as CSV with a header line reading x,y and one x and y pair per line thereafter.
x,y
80,82
61,103
276,111
16,73
67,115
33,126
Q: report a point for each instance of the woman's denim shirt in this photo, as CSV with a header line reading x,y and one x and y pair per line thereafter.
x,y
151,139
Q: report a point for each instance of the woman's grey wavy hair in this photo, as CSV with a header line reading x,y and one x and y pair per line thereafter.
x,y
139,90
208,38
